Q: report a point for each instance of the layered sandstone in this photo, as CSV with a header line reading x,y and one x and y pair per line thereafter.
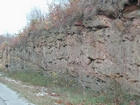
x,y
95,51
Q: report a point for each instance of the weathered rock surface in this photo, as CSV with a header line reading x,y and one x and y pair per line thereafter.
x,y
96,52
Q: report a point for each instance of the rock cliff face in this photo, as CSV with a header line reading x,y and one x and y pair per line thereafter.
x,y
96,51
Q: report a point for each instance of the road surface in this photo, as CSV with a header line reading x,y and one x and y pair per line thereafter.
x,y
10,97
2,102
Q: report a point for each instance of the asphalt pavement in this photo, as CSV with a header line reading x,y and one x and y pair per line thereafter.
x,y
2,102
10,97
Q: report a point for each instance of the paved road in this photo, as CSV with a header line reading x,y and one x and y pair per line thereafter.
x,y
10,97
2,102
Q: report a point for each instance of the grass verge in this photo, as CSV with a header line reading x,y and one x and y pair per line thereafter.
x,y
68,91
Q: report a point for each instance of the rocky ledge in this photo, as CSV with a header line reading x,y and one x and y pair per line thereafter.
x,y
103,47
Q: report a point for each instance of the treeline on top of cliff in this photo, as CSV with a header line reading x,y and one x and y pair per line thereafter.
x,y
67,12
4,40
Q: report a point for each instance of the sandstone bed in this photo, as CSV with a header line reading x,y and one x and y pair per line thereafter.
x,y
103,47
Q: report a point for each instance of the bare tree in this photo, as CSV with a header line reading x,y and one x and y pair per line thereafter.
x,y
36,14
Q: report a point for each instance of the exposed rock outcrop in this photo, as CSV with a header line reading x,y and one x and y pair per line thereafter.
x,y
96,51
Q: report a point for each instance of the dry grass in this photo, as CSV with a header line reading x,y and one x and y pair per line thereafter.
x,y
65,94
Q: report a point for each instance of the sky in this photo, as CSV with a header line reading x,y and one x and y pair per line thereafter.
x,y
13,13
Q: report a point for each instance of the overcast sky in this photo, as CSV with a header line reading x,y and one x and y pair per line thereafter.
x,y
13,13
